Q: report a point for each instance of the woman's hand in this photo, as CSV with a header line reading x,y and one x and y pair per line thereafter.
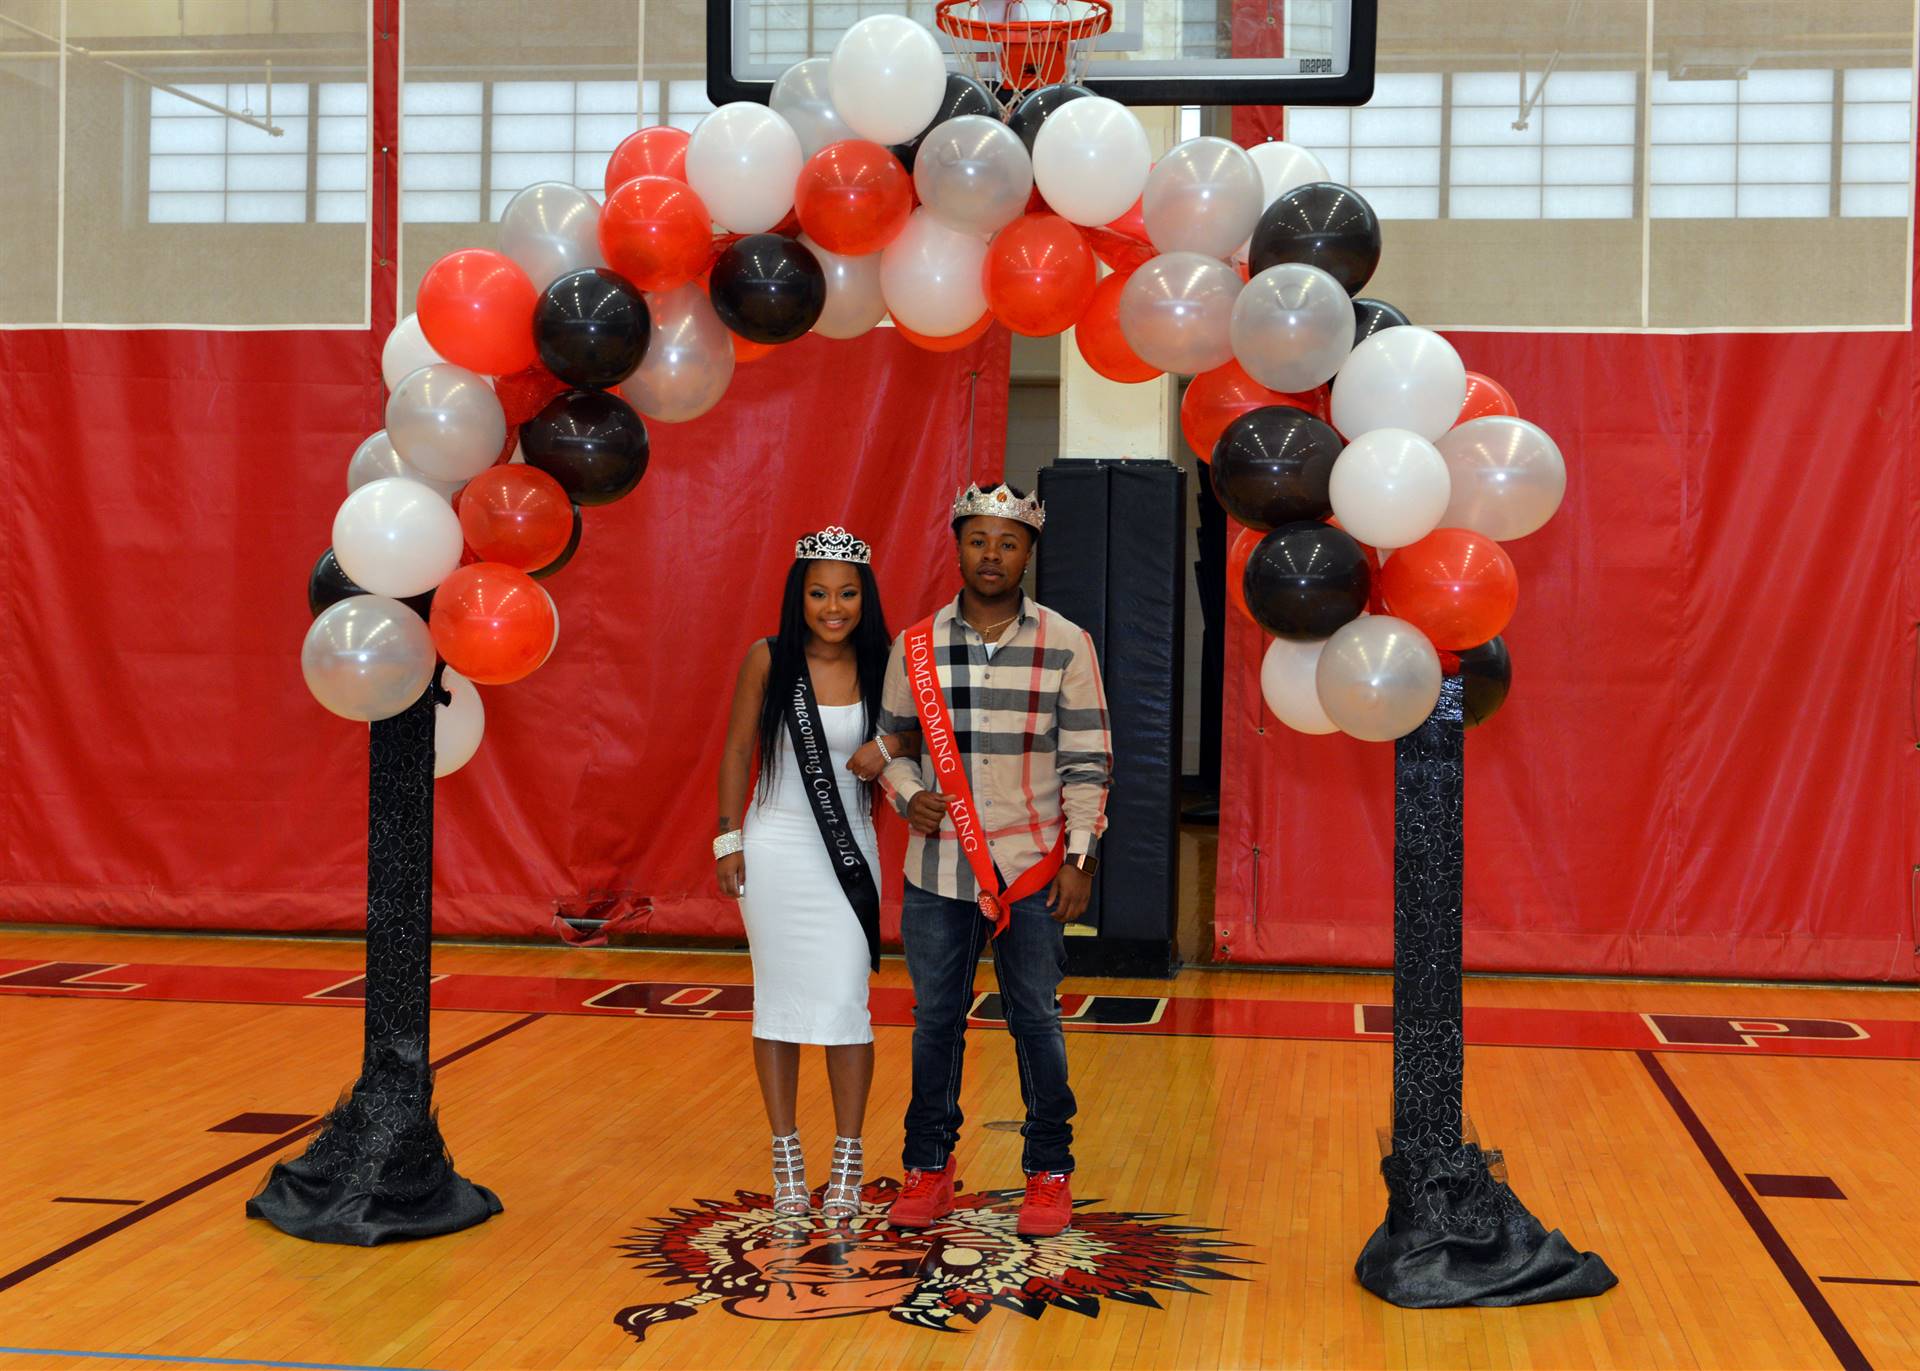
x,y
732,873
866,763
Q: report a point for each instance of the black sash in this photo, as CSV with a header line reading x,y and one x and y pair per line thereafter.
x,y
823,791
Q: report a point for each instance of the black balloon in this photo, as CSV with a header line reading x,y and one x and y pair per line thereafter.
x,y
1371,316
1306,580
591,442
1032,111
1322,225
328,585
590,328
566,553
768,289
963,95
1487,671
1272,464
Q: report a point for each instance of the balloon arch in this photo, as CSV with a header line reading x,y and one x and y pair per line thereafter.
x,y
880,187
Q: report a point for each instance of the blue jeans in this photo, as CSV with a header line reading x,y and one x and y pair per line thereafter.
x,y
943,939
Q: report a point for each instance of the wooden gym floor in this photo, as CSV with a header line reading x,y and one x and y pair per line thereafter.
x,y
1741,1155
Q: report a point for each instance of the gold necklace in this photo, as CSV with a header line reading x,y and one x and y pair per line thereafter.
x,y
990,628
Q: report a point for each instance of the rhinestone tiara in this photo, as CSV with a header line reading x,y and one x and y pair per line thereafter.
x,y
833,544
1000,503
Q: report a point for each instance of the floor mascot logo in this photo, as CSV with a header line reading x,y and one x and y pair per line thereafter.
x,y
761,1265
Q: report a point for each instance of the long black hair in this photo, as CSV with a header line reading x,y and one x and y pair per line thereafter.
x,y
871,645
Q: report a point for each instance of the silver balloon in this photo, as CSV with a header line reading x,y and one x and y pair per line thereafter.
x,y
689,360
1508,476
1292,327
1176,312
375,460
1378,678
550,229
367,657
800,97
973,174
1204,196
446,422
854,303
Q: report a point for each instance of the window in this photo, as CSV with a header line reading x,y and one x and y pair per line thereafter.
x,y
1758,148
1876,154
440,142
1388,150
1568,154
204,167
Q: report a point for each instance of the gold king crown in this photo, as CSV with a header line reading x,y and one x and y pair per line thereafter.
x,y
833,544
1000,503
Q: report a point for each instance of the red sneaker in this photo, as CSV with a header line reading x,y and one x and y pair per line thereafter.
x,y
925,1199
1048,1208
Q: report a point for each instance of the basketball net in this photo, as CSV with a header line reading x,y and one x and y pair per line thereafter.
x,y
1016,46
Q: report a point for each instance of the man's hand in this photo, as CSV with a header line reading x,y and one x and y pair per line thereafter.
x,y
926,811
731,871
1068,896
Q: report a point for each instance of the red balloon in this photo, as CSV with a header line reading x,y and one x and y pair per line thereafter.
x,y
1486,396
656,151
853,197
1123,244
516,515
1456,586
746,350
1216,398
656,232
951,342
524,394
1100,340
476,309
1239,549
493,624
1040,275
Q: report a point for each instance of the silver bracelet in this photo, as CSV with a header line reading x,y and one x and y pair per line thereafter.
x,y
881,743
729,843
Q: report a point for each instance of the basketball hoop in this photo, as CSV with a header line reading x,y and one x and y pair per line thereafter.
x,y
1013,47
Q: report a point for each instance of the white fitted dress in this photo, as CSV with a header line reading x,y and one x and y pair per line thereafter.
x,y
809,954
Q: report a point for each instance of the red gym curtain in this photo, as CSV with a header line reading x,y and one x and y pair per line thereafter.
x,y
1708,763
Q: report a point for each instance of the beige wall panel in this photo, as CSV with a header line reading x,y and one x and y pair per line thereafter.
x,y
29,169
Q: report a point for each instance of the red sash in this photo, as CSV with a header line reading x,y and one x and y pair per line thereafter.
x,y
936,729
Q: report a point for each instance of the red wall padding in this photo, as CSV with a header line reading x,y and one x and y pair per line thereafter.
x,y
162,498
1708,761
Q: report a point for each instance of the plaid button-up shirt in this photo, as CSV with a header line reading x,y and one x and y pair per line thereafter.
x,y
1030,723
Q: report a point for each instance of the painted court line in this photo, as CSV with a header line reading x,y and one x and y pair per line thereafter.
x,y
195,1361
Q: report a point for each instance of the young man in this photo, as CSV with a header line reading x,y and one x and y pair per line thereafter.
x,y
1007,803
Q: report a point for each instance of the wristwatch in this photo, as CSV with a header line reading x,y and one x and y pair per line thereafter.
x,y
1087,862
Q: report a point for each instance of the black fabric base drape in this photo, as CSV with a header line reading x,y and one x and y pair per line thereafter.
x,y
378,1171
1454,1233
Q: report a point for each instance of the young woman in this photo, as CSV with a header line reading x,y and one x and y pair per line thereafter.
x,y
801,857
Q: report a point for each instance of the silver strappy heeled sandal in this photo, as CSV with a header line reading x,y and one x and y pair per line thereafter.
x,y
790,1178
842,1197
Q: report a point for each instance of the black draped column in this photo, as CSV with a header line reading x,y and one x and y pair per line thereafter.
x,y
378,1170
1454,1233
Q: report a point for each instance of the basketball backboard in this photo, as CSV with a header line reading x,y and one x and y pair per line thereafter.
x,y
1157,52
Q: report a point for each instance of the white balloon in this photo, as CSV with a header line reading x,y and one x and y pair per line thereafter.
x,y
555,642
1508,476
1292,327
457,726
375,460
405,351
1287,685
1389,488
742,162
931,276
550,229
973,174
395,537
1283,167
887,77
801,97
854,302
1091,160
1176,310
367,657
1378,678
1203,196
1407,377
